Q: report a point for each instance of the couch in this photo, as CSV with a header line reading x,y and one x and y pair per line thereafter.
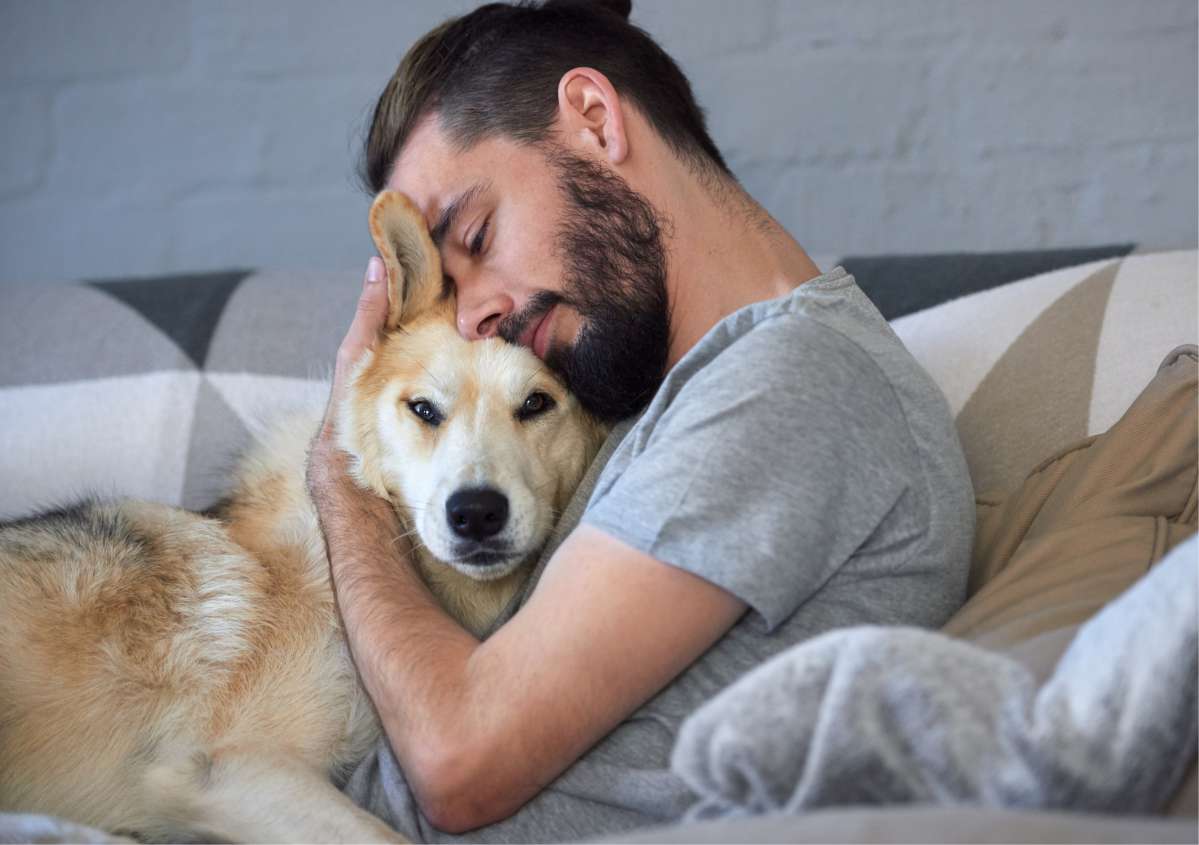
x,y
150,388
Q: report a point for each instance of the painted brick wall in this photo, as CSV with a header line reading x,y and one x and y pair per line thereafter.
x,y
146,137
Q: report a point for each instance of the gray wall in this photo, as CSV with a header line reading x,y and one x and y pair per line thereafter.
x,y
145,137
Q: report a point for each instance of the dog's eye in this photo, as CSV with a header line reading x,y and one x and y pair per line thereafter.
x,y
425,410
537,403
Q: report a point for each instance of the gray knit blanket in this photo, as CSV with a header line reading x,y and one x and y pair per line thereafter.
x,y
885,715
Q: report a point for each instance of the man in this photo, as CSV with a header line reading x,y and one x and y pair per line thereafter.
x,y
792,470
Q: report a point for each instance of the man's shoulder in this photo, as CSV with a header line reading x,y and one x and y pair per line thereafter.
x,y
781,357
778,375
821,319
824,349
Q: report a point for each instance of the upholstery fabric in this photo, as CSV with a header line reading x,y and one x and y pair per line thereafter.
x,y
905,284
1033,366
151,387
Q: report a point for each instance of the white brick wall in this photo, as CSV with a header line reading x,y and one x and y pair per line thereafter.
x,y
161,135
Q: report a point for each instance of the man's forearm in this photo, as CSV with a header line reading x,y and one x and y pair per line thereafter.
x,y
411,655
420,668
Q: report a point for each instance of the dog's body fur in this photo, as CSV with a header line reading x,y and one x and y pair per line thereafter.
x,y
178,675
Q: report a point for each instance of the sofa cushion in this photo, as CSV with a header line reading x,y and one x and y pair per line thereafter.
x,y
904,284
1033,366
150,387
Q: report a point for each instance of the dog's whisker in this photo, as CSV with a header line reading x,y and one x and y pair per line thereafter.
x,y
414,542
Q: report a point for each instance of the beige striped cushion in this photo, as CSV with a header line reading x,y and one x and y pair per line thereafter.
x,y
1032,366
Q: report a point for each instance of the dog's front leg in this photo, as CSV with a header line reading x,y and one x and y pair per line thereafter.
x,y
277,799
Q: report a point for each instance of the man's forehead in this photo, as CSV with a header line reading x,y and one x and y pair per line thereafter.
x,y
433,172
424,171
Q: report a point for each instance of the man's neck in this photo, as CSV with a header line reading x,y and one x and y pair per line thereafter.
x,y
726,252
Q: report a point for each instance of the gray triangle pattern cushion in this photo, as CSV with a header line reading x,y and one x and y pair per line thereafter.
x,y
151,387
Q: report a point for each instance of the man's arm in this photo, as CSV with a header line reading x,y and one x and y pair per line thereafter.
x,y
480,728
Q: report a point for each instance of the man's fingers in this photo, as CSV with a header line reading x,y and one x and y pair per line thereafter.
x,y
370,316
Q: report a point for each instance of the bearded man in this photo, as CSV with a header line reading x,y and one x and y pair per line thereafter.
x,y
780,465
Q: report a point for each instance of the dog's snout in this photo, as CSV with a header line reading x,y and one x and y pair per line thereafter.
x,y
477,514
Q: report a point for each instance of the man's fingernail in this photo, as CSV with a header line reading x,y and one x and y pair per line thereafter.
x,y
374,270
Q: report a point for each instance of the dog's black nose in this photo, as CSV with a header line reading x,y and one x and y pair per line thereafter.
x,y
477,514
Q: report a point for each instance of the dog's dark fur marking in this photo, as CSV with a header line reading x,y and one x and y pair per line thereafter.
x,y
78,524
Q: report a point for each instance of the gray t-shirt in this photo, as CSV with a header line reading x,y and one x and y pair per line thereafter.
x,y
801,459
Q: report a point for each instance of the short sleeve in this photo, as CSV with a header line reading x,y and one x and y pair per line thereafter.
x,y
770,467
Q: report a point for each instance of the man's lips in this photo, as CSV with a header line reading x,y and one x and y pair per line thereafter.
x,y
537,335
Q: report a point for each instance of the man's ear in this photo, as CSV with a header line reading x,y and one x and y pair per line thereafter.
x,y
591,113
413,264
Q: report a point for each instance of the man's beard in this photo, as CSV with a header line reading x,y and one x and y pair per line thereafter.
x,y
611,248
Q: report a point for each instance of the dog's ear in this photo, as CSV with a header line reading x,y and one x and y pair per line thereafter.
x,y
413,265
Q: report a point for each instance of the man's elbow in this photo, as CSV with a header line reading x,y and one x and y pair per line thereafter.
x,y
458,791
456,813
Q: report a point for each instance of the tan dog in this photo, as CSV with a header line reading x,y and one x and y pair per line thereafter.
x,y
180,676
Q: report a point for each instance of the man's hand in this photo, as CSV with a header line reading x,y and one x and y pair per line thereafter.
x,y
381,598
359,528
327,463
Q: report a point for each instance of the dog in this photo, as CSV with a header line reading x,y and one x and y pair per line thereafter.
x,y
181,676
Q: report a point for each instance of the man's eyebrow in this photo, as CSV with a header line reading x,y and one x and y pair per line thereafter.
x,y
449,214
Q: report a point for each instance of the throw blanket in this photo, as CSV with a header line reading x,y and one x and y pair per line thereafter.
x,y
20,827
874,715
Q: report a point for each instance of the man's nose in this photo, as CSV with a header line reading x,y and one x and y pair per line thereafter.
x,y
480,312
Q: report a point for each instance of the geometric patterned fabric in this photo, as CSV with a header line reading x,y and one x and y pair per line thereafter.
x,y
186,310
151,387
1032,366
904,284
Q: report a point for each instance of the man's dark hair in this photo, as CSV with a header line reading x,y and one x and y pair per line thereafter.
x,y
495,72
